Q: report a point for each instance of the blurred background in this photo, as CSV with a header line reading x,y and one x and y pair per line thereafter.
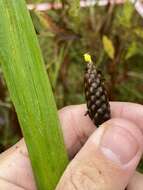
x,y
112,33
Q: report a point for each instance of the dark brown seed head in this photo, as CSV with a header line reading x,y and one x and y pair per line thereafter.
x,y
96,95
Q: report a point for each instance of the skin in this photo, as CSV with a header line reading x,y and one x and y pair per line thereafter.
x,y
89,168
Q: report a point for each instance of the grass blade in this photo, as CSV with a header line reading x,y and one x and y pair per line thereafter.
x,y
31,93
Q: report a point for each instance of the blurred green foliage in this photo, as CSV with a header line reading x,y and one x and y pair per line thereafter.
x,y
112,34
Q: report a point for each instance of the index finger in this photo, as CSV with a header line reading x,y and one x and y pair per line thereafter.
x,y
129,111
77,127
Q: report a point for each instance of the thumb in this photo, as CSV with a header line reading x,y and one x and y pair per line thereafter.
x,y
107,160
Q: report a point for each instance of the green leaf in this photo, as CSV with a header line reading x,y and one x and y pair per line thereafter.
x,y
74,7
139,32
132,50
124,17
108,47
31,93
140,166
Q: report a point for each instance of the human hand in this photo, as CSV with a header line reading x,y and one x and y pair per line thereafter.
x,y
103,159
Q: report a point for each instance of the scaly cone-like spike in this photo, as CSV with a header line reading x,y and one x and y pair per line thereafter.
x,y
95,93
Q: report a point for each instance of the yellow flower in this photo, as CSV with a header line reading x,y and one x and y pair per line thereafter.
x,y
87,57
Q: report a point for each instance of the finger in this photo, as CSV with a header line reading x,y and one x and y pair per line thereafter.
x,y
127,110
107,160
5,185
77,127
15,169
136,182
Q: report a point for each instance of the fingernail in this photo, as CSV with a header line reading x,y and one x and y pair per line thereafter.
x,y
119,145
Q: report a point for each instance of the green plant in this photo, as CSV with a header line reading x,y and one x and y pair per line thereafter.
x,y
31,93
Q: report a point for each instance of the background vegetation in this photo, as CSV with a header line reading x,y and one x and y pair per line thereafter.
x,y
113,35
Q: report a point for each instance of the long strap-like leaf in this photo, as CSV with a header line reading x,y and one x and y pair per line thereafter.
x,y
31,93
